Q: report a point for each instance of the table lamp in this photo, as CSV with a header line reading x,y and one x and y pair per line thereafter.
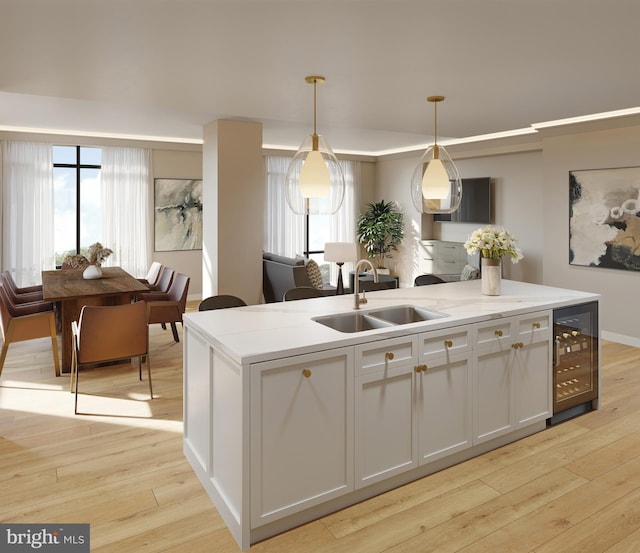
x,y
340,253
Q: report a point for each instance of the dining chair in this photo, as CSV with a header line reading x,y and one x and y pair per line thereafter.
x,y
27,321
153,275
25,294
109,333
164,281
424,280
168,307
222,301
302,293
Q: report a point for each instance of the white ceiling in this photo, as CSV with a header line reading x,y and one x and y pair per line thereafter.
x,y
167,67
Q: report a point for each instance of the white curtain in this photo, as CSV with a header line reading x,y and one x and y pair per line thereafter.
x,y
125,181
284,230
27,211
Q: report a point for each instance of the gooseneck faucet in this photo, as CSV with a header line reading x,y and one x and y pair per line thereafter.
x,y
356,282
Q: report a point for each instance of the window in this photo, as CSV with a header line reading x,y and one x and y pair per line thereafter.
x,y
77,212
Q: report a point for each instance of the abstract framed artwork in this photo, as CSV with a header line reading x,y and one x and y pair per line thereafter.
x,y
604,218
178,214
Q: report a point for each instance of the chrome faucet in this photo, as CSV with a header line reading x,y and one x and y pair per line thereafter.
x,y
356,282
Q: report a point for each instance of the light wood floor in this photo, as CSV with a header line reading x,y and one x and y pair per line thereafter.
x,y
572,488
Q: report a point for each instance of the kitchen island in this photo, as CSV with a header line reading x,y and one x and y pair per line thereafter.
x,y
287,419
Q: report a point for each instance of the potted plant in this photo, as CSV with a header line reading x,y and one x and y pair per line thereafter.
x,y
380,230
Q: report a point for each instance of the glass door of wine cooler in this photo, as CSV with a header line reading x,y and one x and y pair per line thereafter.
x,y
575,359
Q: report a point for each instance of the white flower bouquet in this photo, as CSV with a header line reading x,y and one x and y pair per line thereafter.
x,y
493,243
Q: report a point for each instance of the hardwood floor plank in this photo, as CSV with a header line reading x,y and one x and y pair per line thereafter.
x,y
474,524
620,519
553,519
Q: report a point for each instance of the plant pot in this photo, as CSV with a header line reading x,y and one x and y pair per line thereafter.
x,y
491,276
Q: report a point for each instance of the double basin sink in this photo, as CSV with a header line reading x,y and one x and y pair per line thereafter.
x,y
378,318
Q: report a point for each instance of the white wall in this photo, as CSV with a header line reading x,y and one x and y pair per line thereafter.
x,y
531,189
175,164
517,181
619,288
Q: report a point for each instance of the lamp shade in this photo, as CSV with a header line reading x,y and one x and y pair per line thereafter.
x,y
341,252
436,186
314,183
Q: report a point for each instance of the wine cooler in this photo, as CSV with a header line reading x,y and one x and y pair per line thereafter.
x,y
575,361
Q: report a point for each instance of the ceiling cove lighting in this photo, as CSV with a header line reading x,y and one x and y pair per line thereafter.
x,y
436,185
314,184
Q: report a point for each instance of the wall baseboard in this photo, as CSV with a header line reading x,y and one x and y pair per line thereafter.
x,y
621,339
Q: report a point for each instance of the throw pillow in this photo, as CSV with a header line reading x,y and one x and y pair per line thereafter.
x,y
314,274
469,273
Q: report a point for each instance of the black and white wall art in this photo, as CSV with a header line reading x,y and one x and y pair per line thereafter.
x,y
604,218
178,214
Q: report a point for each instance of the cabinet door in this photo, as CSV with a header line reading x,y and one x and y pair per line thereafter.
x,y
443,400
385,425
301,433
534,400
513,372
493,389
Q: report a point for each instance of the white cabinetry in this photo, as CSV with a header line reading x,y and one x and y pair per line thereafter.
x,y
442,258
385,437
301,432
443,393
512,381
413,402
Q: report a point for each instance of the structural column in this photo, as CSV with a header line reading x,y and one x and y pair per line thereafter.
x,y
233,209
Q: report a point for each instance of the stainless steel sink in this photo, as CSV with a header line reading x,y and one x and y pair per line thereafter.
x,y
352,322
378,318
405,314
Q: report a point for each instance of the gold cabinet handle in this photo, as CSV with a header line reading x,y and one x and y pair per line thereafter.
x,y
306,373
517,345
498,333
420,368
389,355
448,343
536,325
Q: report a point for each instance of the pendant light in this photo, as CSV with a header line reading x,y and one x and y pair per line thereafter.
x,y
314,184
436,185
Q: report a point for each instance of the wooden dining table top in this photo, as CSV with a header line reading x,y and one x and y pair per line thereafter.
x,y
67,284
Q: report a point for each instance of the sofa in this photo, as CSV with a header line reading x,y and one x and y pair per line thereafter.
x,y
280,273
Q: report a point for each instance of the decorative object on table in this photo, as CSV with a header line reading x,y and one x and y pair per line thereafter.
x,y
96,254
493,243
92,272
380,230
604,218
314,183
178,214
436,186
340,253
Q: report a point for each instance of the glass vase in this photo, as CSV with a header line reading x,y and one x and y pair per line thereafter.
x,y
491,276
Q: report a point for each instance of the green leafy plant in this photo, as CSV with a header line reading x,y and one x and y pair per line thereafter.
x,y
380,230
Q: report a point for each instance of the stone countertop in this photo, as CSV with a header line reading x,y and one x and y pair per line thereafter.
x,y
271,331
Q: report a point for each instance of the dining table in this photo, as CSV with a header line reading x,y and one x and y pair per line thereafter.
x,y
70,291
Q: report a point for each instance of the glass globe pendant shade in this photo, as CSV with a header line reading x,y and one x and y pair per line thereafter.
x,y
314,183
436,186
